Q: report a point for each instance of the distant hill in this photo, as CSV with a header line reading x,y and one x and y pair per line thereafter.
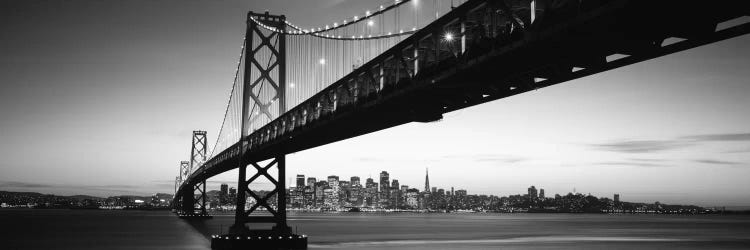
x,y
78,197
85,197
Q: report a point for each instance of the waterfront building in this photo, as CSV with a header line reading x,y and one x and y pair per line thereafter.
x,y
300,182
355,181
311,182
541,194
331,198
617,199
333,181
461,193
384,189
532,193
412,198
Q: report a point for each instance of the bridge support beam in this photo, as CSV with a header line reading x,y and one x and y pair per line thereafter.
x,y
279,235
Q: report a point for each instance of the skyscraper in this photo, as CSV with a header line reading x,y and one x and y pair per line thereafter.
x,y
355,181
384,188
426,180
224,194
541,193
532,193
224,188
617,199
311,182
300,182
333,181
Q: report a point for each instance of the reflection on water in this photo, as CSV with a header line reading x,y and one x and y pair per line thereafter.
x,y
94,229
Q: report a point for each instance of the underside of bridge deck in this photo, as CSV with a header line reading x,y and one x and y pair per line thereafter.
x,y
501,53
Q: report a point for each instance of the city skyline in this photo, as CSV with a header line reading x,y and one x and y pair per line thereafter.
x,y
672,129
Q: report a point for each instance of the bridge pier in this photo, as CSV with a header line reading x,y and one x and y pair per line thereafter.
x,y
280,235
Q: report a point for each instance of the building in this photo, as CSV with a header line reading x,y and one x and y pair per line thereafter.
x,y
370,194
412,198
355,181
617,199
320,187
331,198
541,194
345,190
223,194
333,181
384,189
461,193
300,182
532,193
426,180
309,196
311,182
224,188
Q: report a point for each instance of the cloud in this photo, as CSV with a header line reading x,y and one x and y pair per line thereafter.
x,y
640,146
632,164
719,137
646,160
716,162
501,159
738,151
649,146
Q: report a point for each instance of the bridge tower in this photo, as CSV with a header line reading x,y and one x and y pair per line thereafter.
x,y
184,172
265,63
198,154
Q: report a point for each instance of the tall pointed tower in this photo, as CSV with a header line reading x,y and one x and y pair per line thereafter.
x,y
426,180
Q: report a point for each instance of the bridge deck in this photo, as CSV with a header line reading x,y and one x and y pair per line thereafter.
x,y
485,68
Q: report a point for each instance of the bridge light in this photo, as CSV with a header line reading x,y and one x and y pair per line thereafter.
x,y
322,61
370,23
291,85
367,13
448,36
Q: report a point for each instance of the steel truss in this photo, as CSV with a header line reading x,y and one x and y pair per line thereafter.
x,y
271,69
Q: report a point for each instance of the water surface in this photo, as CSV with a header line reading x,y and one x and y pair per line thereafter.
x,y
99,229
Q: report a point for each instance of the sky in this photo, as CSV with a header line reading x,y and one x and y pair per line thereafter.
x,y
100,98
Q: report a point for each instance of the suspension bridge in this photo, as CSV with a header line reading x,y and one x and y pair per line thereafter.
x,y
297,87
